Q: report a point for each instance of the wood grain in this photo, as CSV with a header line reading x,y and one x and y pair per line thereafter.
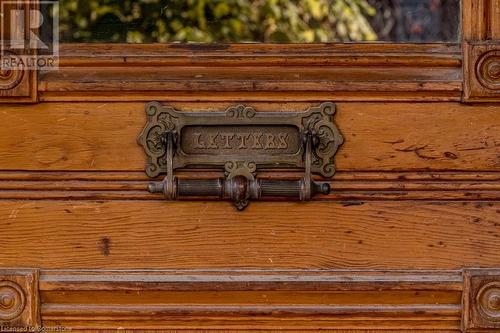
x,y
200,318
481,50
338,71
379,137
346,186
480,20
494,25
190,52
251,280
417,189
383,235
256,299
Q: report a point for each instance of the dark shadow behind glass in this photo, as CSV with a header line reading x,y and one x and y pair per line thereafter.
x,y
416,20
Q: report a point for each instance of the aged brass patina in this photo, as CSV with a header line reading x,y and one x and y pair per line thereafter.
x,y
240,141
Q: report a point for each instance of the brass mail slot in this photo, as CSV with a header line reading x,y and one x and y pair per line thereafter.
x,y
239,141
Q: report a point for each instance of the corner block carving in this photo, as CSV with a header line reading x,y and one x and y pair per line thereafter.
x,y
17,85
482,300
11,78
19,301
482,72
488,70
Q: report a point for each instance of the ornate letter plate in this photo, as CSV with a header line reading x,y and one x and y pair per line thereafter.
x,y
240,135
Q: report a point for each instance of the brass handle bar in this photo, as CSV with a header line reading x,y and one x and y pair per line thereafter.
x,y
240,189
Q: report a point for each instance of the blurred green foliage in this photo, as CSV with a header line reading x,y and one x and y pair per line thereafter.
x,y
224,21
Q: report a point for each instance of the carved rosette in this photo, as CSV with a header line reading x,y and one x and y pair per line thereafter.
x,y
12,300
319,124
161,120
10,78
488,70
481,300
488,301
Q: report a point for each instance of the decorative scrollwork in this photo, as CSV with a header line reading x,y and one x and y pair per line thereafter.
x,y
329,138
12,300
240,140
488,301
160,121
264,139
11,77
488,70
245,169
240,111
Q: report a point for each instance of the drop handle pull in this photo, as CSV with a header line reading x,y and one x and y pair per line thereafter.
x,y
241,190
241,187
240,141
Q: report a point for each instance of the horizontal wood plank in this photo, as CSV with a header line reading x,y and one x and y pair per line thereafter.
x,y
256,50
346,186
131,234
257,299
379,137
250,280
255,72
419,95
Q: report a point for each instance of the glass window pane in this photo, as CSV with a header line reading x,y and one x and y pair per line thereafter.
x,y
259,21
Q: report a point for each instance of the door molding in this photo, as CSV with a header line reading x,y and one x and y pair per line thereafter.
x,y
481,49
239,299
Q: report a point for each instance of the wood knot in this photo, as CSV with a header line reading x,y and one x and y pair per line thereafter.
x,y
488,301
12,300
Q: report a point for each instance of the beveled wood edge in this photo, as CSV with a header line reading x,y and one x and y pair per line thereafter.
x,y
481,44
73,282
249,279
442,63
256,50
253,311
480,20
347,187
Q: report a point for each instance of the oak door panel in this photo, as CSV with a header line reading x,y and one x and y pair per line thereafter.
x,y
320,235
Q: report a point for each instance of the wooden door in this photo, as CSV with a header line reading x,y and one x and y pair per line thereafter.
x,y
408,240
